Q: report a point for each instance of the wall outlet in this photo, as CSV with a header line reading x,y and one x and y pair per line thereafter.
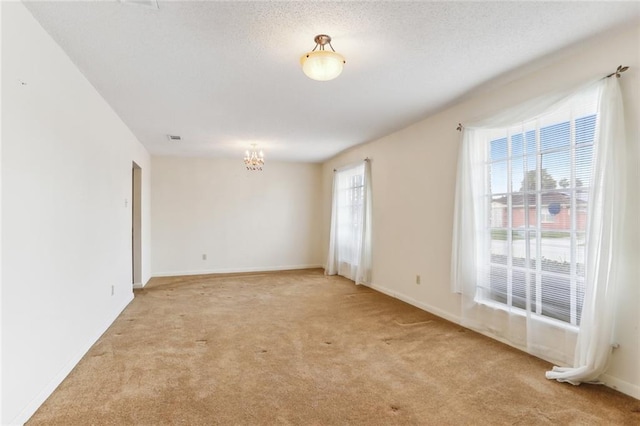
x,y
417,279
113,290
204,256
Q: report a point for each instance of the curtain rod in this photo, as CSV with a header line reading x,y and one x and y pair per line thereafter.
x,y
617,73
350,165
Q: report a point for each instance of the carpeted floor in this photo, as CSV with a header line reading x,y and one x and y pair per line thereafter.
x,y
299,348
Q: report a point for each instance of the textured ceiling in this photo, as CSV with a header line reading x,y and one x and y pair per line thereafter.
x,y
224,75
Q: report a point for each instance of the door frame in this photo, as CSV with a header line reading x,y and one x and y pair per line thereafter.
x,y
136,225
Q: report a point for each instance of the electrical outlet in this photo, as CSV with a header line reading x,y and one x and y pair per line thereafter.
x,y
113,290
418,279
204,256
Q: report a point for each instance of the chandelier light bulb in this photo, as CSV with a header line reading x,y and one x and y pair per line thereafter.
x,y
253,159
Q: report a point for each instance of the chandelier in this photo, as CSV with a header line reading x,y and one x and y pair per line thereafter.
x,y
322,65
253,159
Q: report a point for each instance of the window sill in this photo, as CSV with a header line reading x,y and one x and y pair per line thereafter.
x,y
523,313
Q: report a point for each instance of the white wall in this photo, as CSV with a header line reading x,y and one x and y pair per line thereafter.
x,y
414,182
66,231
242,220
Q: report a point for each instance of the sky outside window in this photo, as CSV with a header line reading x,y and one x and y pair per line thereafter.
x,y
555,154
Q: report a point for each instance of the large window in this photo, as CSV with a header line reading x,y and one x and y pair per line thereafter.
x,y
350,207
538,184
538,240
350,240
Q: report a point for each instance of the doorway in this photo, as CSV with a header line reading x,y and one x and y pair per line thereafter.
x,y
136,226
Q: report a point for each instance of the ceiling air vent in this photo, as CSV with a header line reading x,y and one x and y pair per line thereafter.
x,y
174,138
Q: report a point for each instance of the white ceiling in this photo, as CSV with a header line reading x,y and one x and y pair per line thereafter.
x,y
224,75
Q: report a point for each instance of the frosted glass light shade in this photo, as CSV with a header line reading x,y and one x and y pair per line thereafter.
x,y
322,65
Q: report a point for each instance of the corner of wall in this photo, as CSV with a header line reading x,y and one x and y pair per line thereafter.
x,y
30,409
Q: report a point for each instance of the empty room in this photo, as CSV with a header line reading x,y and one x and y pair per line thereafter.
x,y
319,213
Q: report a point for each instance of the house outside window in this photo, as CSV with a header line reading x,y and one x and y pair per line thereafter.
x,y
537,177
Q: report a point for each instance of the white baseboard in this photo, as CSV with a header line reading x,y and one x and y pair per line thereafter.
x,y
609,381
35,403
410,300
234,270
138,285
621,386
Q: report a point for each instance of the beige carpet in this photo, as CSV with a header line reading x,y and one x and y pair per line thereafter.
x,y
299,348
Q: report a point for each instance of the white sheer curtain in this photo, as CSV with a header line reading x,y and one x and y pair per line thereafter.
x,y
350,239
520,318
603,248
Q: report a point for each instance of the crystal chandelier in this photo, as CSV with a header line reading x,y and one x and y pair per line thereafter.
x,y
254,160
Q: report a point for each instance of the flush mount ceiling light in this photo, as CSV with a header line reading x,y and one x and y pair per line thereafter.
x,y
253,159
320,64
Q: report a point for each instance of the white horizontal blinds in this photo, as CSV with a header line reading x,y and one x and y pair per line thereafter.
x,y
539,174
350,216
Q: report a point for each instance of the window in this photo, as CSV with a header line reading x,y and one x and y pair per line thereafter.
x,y
536,177
350,240
555,168
350,207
